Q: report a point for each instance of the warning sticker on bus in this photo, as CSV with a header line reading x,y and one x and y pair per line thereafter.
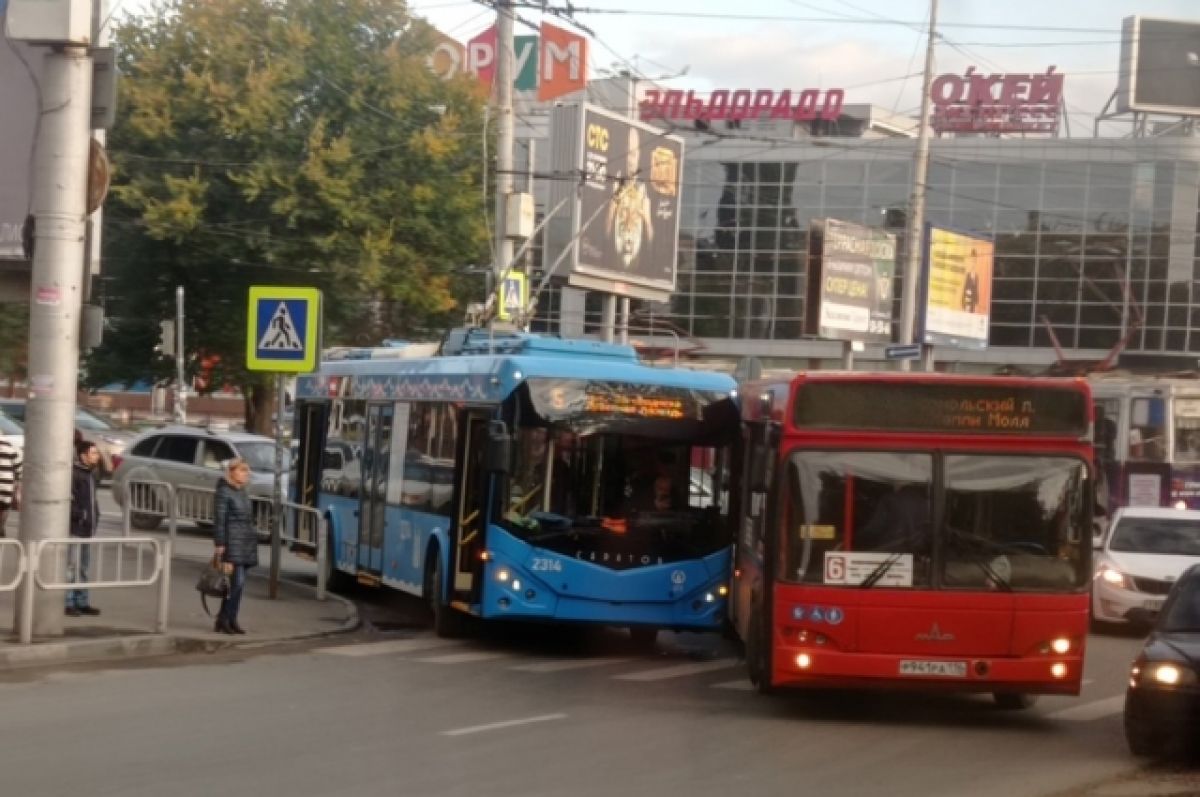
x,y
850,568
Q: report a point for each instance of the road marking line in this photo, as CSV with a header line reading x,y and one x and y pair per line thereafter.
x,y
678,671
740,685
463,658
1091,711
495,726
571,664
390,646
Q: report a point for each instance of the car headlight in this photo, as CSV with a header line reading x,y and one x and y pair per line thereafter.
x,y
1163,674
1114,577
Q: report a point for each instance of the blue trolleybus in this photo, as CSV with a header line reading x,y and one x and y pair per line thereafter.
x,y
522,477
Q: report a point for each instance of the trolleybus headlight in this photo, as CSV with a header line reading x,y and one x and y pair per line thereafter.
x,y
804,661
502,574
722,590
516,585
1058,670
1061,645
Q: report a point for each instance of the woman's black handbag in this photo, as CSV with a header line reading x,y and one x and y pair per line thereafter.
x,y
213,583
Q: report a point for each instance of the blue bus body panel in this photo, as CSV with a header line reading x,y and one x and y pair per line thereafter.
x,y
674,595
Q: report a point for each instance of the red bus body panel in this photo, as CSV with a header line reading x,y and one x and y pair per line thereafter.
x,y
1000,640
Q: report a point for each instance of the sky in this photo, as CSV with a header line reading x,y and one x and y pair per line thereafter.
x,y
857,45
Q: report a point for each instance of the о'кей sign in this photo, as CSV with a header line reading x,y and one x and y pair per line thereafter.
x,y
283,329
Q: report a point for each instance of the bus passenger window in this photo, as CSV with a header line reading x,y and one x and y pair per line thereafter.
x,y
1148,430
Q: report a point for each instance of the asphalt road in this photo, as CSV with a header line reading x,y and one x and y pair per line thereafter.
x,y
529,711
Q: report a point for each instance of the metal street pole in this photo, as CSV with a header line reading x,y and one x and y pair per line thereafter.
x,y
916,207
277,503
60,213
180,388
505,69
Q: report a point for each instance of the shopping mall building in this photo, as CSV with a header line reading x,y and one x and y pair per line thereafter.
x,y
1096,239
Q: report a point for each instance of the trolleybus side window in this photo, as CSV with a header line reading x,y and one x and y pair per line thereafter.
x,y
1148,430
1187,429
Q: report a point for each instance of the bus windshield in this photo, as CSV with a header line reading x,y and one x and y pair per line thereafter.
x,y
866,518
622,499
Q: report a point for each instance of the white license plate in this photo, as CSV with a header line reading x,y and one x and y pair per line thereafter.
x,y
945,669
1154,604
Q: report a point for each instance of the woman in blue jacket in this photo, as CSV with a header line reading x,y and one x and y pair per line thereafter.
x,y
236,540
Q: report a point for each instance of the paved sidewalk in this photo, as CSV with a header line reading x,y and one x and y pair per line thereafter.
x,y
125,627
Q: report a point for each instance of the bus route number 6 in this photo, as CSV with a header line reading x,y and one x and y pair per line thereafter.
x,y
835,568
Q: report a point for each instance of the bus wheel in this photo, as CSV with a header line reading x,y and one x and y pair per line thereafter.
x,y
447,622
757,662
1014,701
643,638
335,580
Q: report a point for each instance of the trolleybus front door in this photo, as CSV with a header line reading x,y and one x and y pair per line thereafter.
x,y
471,511
372,514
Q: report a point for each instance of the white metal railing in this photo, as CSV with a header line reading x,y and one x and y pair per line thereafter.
x,y
150,498
302,526
10,584
116,563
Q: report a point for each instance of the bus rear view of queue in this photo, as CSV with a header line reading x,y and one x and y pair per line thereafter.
x,y
916,531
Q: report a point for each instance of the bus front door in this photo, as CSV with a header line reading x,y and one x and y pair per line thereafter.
x,y
372,511
471,515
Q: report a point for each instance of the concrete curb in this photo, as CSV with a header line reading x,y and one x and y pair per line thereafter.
x,y
116,648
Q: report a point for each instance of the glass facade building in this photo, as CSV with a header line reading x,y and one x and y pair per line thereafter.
x,y
1095,238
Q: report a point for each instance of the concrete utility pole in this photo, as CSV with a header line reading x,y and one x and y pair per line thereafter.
x,y
916,206
505,68
60,213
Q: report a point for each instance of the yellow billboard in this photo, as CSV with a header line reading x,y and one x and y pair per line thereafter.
x,y
957,289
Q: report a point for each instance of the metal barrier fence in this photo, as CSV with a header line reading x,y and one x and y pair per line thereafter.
x,y
108,569
301,526
11,584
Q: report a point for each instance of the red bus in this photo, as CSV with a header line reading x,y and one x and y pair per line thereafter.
x,y
916,531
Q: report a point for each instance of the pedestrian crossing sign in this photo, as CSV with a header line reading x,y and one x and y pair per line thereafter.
x,y
514,295
283,330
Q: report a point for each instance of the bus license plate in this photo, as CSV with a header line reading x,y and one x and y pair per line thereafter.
x,y
945,669
1154,604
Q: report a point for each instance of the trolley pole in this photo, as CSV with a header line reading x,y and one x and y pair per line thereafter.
x,y
60,215
505,144
916,206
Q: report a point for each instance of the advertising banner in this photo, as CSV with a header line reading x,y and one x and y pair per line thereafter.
x,y
622,224
850,275
1160,66
977,102
957,289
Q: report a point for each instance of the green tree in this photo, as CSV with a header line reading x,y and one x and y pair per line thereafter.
x,y
287,142
14,343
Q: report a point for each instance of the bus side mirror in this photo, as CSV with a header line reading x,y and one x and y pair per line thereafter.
x,y
499,448
765,441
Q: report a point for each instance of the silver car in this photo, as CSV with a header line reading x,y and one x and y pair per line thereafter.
x,y
188,457
110,440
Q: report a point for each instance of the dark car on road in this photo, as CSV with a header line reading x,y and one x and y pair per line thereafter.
x,y
1162,703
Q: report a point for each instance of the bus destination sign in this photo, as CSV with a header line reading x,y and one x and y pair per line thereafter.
x,y
948,409
578,399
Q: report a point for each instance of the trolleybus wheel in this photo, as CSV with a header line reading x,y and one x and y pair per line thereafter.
x,y
643,637
335,580
1014,701
447,622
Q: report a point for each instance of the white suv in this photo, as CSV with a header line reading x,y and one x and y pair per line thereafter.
x,y
185,456
1145,551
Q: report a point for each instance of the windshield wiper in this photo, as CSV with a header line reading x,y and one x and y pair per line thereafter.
x,y
997,579
879,572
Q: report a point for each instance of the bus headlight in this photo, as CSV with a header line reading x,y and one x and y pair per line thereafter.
x,y
1061,645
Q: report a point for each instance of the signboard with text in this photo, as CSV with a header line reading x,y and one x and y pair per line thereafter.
x,y
735,104
551,65
975,102
850,276
956,291
622,224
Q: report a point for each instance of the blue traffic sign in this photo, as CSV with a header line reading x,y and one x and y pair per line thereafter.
x,y
903,351
283,329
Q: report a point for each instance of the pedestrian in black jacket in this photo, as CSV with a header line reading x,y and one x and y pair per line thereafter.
x,y
85,516
236,540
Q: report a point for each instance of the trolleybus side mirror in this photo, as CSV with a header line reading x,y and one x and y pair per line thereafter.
x,y
499,447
